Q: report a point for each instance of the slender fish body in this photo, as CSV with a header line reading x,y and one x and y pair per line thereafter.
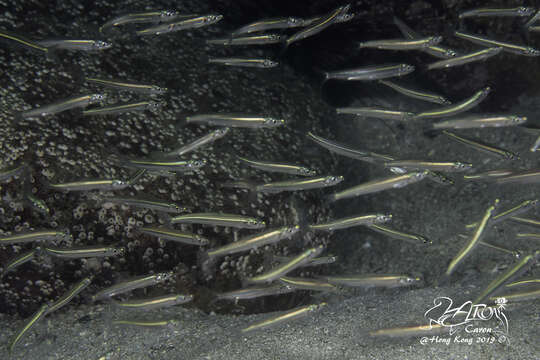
x,y
302,184
269,24
488,149
377,185
347,151
63,105
38,315
370,73
511,48
83,252
373,280
132,284
88,185
317,26
220,219
175,235
287,267
399,235
67,297
308,284
147,204
509,275
253,292
200,142
142,17
129,86
377,113
154,303
517,11
427,165
19,260
466,59
457,108
22,41
348,222
165,165
481,121
279,167
402,44
235,120
31,236
255,241
474,241
190,23
128,107
245,62
285,317
267,39
417,94
76,45
525,177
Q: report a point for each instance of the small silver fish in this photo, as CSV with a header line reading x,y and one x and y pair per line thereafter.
x,y
269,24
466,59
175,235
122,108
508,47
457,108
505,154
481,121
220,219
279,167
480,231
302,184
191,23
348,222
402,44
285,268
143,17
88,185
63,105
370,73
377,185
347,151
254,241
155,302
377,113
517,11
83,252
235,120
285,317
266,39
196,144
373,280
317,26
399,235
524,177
129,86
427,165
77,45
132,284
245,62
417,94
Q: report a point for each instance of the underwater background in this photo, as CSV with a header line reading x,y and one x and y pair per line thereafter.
x,y
69,146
